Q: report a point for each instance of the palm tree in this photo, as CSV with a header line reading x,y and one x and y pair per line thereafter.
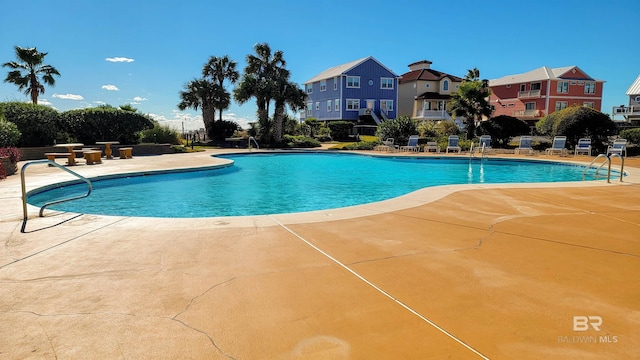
x,y
472,100
29,74
201,93
286,93
221,69
259,82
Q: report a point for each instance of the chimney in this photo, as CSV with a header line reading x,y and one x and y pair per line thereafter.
x,y
423,64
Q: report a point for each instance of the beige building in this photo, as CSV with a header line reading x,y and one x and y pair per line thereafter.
x,y
630,113
425,93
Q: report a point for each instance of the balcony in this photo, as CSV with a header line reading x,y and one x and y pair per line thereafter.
x,y
433,115
626,110
528,113
531,94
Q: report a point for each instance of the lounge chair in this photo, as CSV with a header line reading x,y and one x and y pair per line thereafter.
x,y
387,145
557,146
452,144
486,141
412,144
619,147
525,145
584,146
432,145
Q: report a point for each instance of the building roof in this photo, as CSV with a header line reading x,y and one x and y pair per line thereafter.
x,y
542,73
344,68
634,89
426,75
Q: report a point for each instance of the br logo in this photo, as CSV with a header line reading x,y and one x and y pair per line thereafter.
x,y
582,323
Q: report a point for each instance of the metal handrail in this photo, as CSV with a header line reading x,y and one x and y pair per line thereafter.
x,y
24,190
254,141
600,167
621,166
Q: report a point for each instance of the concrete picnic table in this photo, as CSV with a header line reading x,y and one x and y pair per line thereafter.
x,y
70,146
107,147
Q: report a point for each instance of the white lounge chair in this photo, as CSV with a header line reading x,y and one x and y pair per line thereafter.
x,y
432,145
584,146
558,146
452,144
525,145
387,145
619,147
486,141
412,144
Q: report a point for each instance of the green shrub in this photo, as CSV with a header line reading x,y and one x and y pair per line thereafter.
x,y
399,129
502,128
340,130
446,128
300,141
37,124
222,129
105,124
632,135
160,134
361,145
9,133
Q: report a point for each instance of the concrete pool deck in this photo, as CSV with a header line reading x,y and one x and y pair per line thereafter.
x,y
460,272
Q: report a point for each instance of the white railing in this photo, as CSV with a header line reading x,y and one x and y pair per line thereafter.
x,y
529,94
528,113
626,110
433,114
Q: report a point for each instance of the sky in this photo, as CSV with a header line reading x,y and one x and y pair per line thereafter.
x,y
143,52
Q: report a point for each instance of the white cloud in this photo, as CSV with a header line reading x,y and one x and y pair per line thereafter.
x,y
99,102
110,87
68,96
192,121
45,102
119,59
138,99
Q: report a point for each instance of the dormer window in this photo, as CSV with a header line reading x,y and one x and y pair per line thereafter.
x,y
445,85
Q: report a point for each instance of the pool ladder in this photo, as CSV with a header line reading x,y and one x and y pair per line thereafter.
x,y
254,141
24,191
608,162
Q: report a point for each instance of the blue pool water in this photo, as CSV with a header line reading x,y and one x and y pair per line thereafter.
x,y
297,182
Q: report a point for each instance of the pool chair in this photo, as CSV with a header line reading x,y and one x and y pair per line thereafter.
x,y
432,146
619,147
452,144
412,144
525,145
486,141
584,146
387,145
558,146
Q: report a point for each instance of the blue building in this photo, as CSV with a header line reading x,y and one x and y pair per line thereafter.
x,y
363,91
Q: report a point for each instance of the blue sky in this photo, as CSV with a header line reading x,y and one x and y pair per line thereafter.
x,y
163,44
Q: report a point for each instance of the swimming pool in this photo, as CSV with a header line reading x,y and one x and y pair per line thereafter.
x,y
262,183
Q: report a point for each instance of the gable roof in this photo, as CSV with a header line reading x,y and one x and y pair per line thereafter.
x,y
634,89
426,75
542,73
344,68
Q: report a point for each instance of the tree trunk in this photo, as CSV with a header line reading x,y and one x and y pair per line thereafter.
x,y
278,115
208,116
471,128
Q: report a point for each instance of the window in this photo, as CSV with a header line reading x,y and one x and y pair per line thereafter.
x,y
589,88
328,105
563,87
523,87
427,85
386,83
309,88
386,105
353,104
561,105
317,105
335,83
530,106
508,86
535,86
589,104
309,109
337,105
445,85
323,85
353,81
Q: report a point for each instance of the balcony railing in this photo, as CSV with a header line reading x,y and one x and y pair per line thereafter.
x,y
528,113
529,94
626,110
433,115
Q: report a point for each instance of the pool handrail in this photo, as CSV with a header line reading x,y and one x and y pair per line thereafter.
x,y
254,141
608,162
24,191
